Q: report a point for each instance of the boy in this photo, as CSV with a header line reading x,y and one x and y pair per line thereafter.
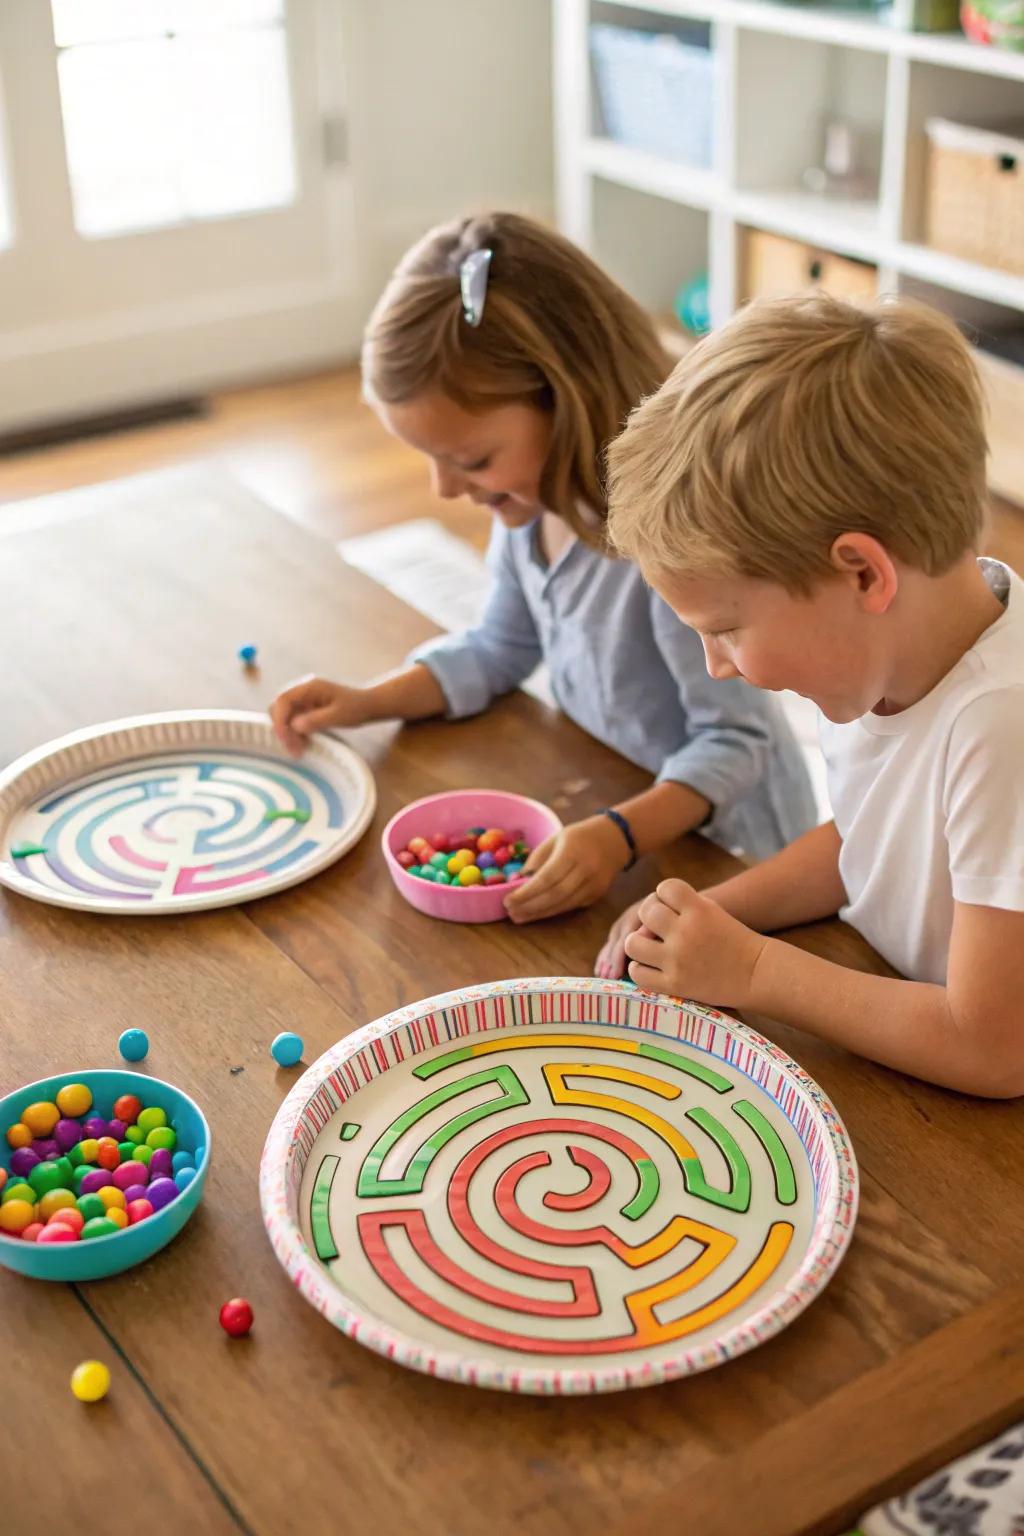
x,y
807,490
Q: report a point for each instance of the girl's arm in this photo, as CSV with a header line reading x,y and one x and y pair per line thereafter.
x,y
577,865
317,704
454,675
726,754
494,656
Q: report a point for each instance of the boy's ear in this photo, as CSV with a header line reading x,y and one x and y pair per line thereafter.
x,y
867,565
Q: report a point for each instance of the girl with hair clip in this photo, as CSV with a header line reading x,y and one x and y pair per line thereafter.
x,y
508,359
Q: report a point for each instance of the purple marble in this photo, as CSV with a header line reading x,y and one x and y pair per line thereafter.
x,y
99,1178
160,1166
161,1192
95,1127
45,1148
23,1161
135,1192
116,1128
67,1134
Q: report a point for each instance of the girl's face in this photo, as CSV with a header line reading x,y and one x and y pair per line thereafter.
x,y
494,457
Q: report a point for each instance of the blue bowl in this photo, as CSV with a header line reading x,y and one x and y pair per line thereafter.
x,y
102,1256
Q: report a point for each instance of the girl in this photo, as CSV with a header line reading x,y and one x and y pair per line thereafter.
x,y
507,358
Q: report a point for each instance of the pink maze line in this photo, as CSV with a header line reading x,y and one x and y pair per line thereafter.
x,y
121,846
187,882
187,879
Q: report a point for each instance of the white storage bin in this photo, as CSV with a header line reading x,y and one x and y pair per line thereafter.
x,y
656,92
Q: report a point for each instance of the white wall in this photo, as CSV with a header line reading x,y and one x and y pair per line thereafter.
x,y
449,107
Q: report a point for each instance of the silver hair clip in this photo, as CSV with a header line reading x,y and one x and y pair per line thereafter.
x,y
473,276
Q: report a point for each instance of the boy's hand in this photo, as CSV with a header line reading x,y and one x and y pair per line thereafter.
x,y
571,869
689,947
315,704
611,959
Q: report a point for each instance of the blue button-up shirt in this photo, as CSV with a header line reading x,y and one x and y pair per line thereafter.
x,y
626,669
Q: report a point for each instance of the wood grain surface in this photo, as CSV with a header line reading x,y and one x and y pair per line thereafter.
x,y
135,597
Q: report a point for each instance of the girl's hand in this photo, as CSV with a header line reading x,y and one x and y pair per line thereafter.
x,y
611,959
688,947
571,869
315,704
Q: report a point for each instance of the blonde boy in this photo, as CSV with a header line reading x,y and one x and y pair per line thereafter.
x,y
807,490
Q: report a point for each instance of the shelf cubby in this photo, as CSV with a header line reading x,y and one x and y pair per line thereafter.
x,y
780,71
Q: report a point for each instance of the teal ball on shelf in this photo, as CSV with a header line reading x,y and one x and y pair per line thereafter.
x,y
287,1049
692,306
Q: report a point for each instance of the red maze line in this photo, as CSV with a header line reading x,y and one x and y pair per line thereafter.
x,y
458,1190
645,1331
585,1302
414,1223
509,1209
598,1183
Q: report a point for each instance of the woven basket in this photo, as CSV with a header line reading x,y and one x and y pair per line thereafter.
x,y
975,193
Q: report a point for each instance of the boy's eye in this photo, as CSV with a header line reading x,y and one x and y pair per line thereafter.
x,y
478,466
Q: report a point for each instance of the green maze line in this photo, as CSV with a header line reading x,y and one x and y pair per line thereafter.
x,y
768,1136
439,1063
319,1210
737,1198
703,1074
647,1193
370,1182
673,1059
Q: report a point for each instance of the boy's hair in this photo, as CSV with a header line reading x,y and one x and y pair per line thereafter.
x,y
556,333
800,420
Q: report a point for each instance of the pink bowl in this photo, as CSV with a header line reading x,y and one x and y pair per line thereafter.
x,y
452,812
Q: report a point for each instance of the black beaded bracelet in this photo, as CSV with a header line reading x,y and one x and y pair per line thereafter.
x,y
627,832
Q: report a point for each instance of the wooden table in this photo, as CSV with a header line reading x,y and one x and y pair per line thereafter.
x,y
915,1350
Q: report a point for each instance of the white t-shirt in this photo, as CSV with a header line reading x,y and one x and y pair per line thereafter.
x,y
929,802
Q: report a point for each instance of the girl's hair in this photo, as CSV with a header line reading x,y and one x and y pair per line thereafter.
x,y
556,333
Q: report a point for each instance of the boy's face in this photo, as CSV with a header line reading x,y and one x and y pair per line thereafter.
x,y
819,646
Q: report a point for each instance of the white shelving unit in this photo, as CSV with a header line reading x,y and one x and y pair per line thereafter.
x,y
779,69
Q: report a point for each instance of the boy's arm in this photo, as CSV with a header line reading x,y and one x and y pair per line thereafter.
x,y
797,885
968,1034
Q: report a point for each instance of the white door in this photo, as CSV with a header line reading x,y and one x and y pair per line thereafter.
x,y
171,214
